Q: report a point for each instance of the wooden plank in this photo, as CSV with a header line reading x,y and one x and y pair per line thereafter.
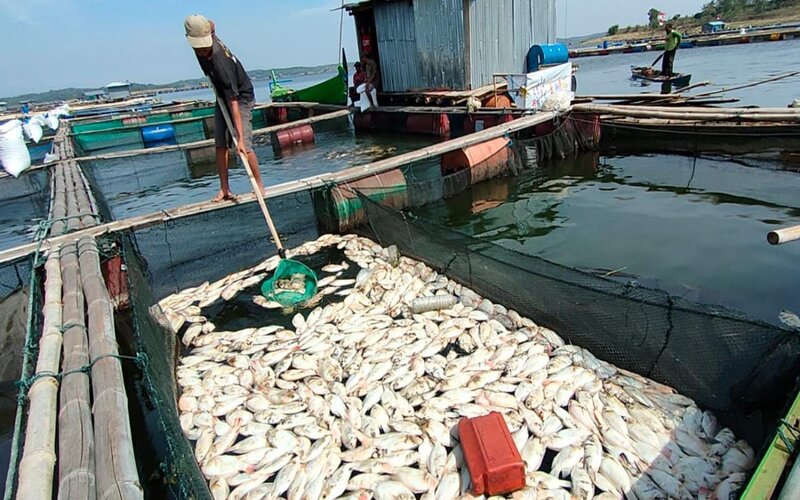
x,y
117,476
36,468
76,447
349,174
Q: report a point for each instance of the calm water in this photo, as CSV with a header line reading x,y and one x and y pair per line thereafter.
x,y
145,184
694,228
724,66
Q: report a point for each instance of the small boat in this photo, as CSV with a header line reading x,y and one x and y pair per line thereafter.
x,y
331,91
647,74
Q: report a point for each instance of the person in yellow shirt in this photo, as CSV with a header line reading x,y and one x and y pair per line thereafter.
x,y
671,46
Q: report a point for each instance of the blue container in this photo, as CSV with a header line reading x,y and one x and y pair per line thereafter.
x,y
158,134
554,53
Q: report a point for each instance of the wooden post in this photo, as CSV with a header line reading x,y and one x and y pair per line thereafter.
x,y
75,433
39,457
467,47
117,476
784,235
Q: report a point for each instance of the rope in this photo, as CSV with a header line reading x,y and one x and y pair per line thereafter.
x,y
140,359
789,442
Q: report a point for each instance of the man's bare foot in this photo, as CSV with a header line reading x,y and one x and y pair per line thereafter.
x,y
223,195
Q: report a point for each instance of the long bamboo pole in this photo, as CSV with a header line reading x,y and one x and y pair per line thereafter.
x,y
117,476
39,456
753,84
698,109
715,115
75,430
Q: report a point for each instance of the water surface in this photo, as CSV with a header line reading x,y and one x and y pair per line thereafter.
x,y
723,66
693,227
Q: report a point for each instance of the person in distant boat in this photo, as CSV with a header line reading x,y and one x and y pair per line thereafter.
x,y
670,47
371,76
359,77
235,89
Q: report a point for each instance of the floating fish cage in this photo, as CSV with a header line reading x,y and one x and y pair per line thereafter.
x,y
608,390
164,129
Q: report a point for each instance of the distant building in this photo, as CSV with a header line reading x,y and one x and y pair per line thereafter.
x,y
118,90
713,27
3,106
450,44
94,95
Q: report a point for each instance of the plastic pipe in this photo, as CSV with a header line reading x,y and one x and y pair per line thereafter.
x,y
784,235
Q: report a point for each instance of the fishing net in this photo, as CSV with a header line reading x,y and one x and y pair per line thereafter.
x,y
23,203
301,286
742,369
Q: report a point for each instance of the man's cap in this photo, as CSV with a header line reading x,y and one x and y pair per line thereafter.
x,y
198,31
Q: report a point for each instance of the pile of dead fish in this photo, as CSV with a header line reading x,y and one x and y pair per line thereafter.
x,y
361,398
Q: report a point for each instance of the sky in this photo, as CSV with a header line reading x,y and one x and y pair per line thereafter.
x,y
52,44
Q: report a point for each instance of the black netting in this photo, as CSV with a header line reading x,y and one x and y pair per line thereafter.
x,y
183,478
185,252
23,203
742,369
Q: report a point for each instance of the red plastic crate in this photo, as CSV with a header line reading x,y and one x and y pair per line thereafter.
x,y
494,462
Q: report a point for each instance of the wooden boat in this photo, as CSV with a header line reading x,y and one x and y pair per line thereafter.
x,y
647,74
331,91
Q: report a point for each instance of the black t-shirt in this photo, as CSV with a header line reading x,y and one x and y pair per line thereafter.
x,y
227,74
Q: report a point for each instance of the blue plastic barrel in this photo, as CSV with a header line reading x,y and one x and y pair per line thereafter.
x,y
553,53
158,134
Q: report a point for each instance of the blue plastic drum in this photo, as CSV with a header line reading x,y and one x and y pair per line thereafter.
x,y
158,135
554,53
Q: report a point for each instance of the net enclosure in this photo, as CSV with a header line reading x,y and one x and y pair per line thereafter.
x,y
741,369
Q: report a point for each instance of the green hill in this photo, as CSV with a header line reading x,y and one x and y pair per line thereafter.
x,y
76,93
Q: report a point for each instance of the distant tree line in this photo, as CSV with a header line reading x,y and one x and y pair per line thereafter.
x,y
733,8
726,10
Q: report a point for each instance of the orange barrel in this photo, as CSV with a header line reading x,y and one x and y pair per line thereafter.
x,y
485,160
303,134
429,124
364,121
497,101
134,120
387,188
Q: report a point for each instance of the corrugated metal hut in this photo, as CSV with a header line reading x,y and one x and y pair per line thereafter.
x,y
450,44
118,90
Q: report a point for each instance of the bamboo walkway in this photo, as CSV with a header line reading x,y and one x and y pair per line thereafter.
x,y
84,404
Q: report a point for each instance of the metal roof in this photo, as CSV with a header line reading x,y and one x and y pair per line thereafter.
x,y
118,84
716,23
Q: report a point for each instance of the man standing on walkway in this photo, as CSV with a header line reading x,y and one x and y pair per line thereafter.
x,y
671,46
235,89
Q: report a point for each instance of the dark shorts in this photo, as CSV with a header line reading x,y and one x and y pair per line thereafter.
x,y
222,139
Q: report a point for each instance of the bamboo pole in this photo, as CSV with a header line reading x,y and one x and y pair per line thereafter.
x,y
117,476
748,85
59,196
707,115
39,456
785,235
75,430
706,110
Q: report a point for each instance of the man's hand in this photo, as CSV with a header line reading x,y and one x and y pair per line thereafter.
x,y
241,147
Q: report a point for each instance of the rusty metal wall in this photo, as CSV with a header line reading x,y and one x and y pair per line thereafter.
x,y
440,42
502,32
397,46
